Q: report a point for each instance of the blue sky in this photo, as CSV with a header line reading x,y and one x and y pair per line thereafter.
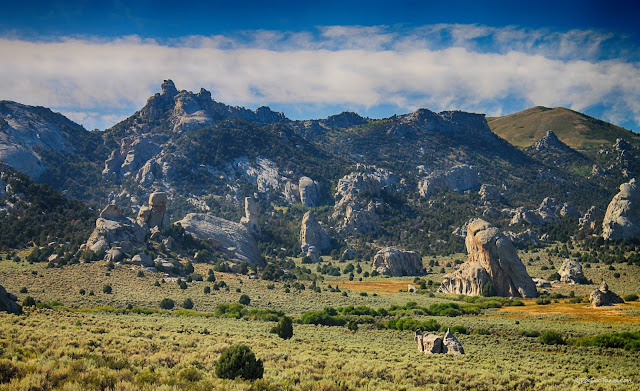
x,y
98,61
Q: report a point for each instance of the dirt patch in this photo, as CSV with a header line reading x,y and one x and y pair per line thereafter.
x,y
375,286
627,313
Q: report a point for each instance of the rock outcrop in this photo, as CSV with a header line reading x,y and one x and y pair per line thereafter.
x,y
590,217
459,178
492,259
250,218
622,219
309,193
25,129
571,272
526,237
312,234
114,231
158,216
359,198
231,238
548,212
433,344
489,194
393,262
9,302
603,296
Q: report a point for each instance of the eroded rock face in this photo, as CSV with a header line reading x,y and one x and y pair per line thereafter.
x,y
622,219
309,193
526,237
250,218
588,220
459,178
433,344
158,216
359,198
489,194
9,302
113,229
396,263
492,258
571,272
603,296
312,234
223,234
548,212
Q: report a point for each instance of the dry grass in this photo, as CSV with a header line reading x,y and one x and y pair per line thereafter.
x,y
627,313
385,286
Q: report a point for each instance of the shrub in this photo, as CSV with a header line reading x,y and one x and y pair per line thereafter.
x,y
190,374
543,301
187,304
552,338
7,371
239,361
459,330
631,297
489,290
167,304
481,331
24,290
207,289
107,289
140,273
284,328
352,326
625,340
322,318
244,300
29,302
530,334
554,277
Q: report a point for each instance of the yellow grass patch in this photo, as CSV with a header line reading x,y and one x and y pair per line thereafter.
x,y
375,286
618,314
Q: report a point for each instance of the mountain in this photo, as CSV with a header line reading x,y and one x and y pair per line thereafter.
x,y
577,130
409,180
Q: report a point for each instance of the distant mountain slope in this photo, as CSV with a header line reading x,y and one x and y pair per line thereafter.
x,y
577,130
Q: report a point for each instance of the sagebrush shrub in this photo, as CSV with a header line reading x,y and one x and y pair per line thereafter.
x,y
239,361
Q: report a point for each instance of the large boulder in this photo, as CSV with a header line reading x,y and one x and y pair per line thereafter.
x,y
9,302
603,296
622,219
571,272
312,234
114,230
158,216
458,178
492,259
396,263
250,218
223,234
451,344
309,192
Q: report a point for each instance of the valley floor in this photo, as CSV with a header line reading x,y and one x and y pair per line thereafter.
x,y
80,346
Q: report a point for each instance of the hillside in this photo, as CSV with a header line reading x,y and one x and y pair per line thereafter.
x,y
577,130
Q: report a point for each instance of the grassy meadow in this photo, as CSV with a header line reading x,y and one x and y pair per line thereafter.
x,y
89,342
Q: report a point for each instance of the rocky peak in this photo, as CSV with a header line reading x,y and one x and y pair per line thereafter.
x,y
345,119
550,140
457,124
169,89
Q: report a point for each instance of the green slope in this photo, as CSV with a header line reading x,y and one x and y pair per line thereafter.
x,y
577,130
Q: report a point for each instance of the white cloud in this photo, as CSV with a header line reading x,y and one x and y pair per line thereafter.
x,y
440,67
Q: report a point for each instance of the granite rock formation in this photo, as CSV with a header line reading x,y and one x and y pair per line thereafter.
x,y
622,219
233,239
603,296
571,272
9,302
459,178
492,259
250,218
393,262
312,234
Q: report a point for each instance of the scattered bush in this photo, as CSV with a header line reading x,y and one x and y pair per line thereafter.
x,y
626,340
481,331
489,290
459,330
530,334
244,300
543,301
552,338
7,371
207,290
167,304
28,302
412,324
284,328
107,289
239,361
187,304
631,297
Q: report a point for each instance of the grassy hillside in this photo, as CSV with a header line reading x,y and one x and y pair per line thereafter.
x,y
577,130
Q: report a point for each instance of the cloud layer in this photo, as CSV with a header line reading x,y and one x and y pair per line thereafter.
x,y
469,67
